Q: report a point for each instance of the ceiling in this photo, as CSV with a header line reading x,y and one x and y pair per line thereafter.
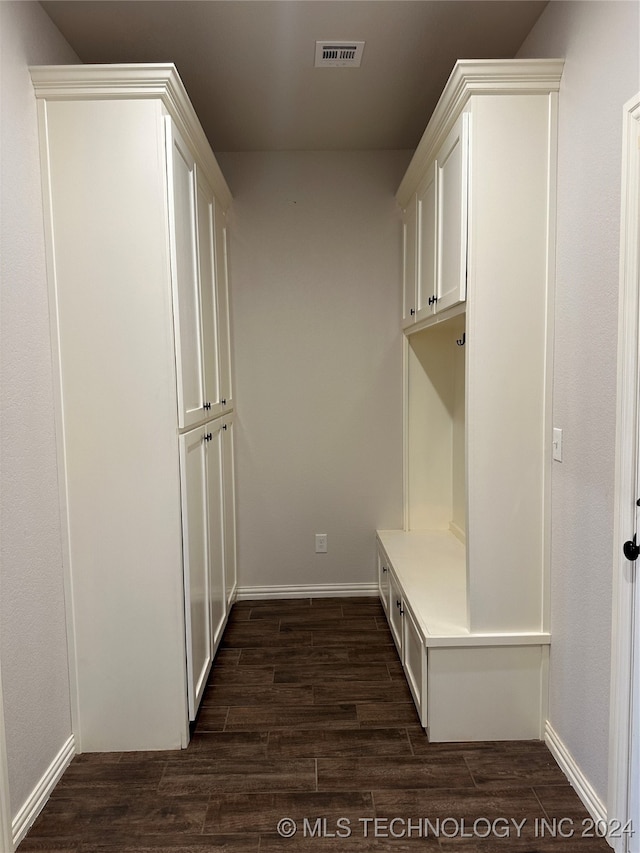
x,y
248,64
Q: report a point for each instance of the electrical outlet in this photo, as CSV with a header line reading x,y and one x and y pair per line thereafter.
x,y
321,543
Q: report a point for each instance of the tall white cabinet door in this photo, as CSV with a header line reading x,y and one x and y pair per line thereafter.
x,y
427,242
409,260
228,465
452,165
195,531
184,273
205,206
224,320
215,500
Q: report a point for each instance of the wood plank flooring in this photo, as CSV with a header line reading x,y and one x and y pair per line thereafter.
x,y
307,717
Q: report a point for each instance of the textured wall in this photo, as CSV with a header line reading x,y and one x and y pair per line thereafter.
x,y
32,623
600,43
315,270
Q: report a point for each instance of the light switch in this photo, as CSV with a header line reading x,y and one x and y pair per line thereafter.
x,y
557,444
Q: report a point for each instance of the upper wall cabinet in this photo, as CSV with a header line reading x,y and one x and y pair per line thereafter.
x,y
137,267
435,231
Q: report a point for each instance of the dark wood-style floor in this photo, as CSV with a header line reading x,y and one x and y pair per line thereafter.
x,y
307,716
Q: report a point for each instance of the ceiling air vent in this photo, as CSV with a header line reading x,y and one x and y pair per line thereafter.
x,y
339,54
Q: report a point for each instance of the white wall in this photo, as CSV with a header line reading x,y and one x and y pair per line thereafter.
x,y
32,623
599,41
315,267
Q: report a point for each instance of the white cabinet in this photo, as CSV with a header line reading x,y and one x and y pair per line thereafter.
x,y
210,316
435,224
409,259
383,582
414,661
427,243
471,564
452,169
228,456
201,300
405,632
186,292
220,527
202,476
395,612
224,309
466,685
195,548
136,212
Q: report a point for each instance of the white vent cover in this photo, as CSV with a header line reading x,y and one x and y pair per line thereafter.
x,y
341,54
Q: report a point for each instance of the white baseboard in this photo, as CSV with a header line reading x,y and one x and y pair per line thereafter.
x,y
574,774
307,591
36,800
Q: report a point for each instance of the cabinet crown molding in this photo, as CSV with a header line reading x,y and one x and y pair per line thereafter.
x,y
471,78
133,80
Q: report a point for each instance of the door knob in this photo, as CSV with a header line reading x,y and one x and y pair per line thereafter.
x,y
631,550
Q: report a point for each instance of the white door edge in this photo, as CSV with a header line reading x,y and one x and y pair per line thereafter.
x,y
625,666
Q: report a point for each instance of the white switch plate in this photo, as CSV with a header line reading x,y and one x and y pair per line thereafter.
x,y
557,444
321,543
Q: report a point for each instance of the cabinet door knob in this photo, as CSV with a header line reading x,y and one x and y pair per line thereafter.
x,y
413,311
207,406
208,437
223,401
224,426
385,569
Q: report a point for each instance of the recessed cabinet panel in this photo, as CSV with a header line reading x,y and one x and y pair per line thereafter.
x,y
193,475
205,202
230,559
395,612
383,581
427,242
223,307
186,296
215,515
452,169
414,654
409,260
